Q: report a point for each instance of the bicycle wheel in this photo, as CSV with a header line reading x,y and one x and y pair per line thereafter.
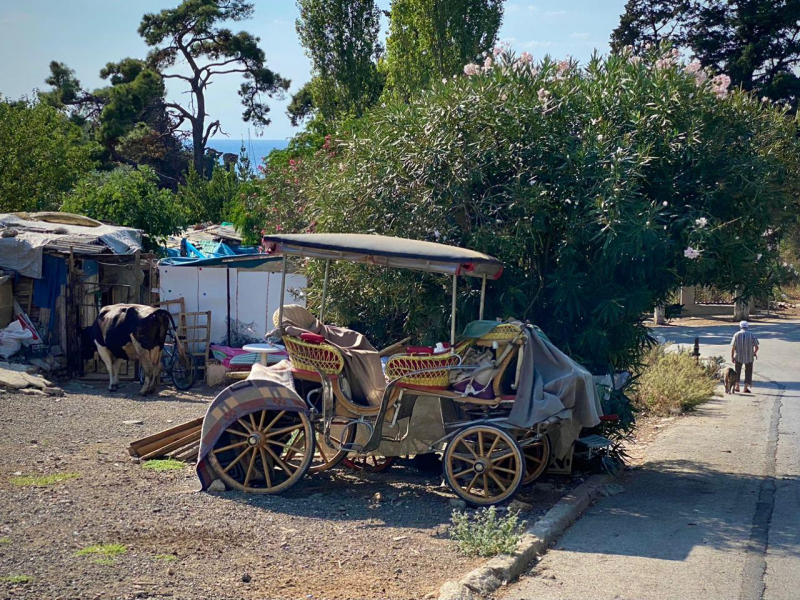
x,y
182,374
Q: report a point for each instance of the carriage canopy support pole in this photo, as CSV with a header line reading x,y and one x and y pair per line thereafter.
x,y
324,291
453,313
283,293
483,296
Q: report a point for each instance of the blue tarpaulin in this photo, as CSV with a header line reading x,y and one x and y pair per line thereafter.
x,y
246,257
48,288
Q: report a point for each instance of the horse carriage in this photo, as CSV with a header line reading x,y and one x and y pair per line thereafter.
x,y
475,400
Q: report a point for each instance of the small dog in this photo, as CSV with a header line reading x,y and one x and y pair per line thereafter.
x,y
729,379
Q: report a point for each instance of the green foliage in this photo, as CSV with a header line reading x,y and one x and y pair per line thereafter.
x,y
16,579
589,184
42,480
166,557
486,533
755,42
163,465
208,200
672,382
131,198
341,39
431,40
43,155
106,550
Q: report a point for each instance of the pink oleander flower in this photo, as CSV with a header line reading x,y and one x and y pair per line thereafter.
x,y
487,64
497,50
664,63
701,222
526,58
693,67
635,60
471,69
720,84
544,96
563,66
691,253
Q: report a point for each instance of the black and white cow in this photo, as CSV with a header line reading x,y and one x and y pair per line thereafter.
x,y
130,332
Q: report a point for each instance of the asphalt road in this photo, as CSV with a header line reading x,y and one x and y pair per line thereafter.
x,y
713,513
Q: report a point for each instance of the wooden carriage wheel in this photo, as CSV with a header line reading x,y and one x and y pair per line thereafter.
x,y
483,465
370,463
264,452
537,457
326,457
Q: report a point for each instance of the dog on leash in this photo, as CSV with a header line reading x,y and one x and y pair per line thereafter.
x,y
729,379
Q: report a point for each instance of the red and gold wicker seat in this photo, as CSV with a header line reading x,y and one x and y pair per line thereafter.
x,y
435,368
313,357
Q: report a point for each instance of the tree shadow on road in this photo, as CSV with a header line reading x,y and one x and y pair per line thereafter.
x,y
695,507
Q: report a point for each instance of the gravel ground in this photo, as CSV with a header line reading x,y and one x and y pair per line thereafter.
x,y
329,537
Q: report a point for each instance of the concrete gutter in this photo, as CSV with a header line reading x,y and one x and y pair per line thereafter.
x,y
535,541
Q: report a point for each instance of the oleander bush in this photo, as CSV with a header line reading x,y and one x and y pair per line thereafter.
x,y
601,187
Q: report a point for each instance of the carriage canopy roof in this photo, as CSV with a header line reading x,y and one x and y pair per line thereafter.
x,y
386,251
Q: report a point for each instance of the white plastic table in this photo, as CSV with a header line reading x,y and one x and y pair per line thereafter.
x,y
263,349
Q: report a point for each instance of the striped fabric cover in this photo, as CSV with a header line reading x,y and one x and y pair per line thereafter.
x,y
232,403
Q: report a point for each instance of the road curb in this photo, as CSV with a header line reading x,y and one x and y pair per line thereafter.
x,y
535,541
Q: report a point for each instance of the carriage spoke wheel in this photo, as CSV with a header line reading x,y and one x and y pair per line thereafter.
x,y
326,457
537,457
370,463
483,465
264,452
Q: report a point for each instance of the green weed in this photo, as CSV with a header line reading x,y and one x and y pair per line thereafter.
x,y
103,550
42,480
166,557
486,534
163,465
17,579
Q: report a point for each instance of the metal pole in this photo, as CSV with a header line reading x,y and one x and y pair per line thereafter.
x,y
453,313
283,293
228,296
483,297
324,291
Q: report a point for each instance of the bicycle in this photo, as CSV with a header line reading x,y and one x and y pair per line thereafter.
x,y
181,375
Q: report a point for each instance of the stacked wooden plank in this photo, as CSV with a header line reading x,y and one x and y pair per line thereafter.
x,y
180,443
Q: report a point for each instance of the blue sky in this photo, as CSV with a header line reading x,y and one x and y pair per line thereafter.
x,y
86,34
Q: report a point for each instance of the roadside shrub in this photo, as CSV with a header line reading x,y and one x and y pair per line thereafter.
x,y
486,533
601,188
672,382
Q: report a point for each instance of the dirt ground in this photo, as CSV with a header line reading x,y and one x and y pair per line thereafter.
x,y
329,537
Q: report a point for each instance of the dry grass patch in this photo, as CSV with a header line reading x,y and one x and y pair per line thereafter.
x,y
672,383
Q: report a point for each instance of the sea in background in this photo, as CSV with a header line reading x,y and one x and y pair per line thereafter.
x,y
256,149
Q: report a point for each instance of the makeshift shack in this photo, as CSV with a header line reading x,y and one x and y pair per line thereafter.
x,y
240,287
63,269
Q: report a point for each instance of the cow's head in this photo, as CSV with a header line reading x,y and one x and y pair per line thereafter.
x,y
87,344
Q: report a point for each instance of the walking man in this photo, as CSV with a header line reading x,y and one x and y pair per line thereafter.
x,y
744,350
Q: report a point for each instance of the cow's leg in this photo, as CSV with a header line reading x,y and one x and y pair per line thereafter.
x,y
144,359
155,362
117,367
108,361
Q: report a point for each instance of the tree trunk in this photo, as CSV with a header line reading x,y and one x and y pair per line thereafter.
x,y
198,147
660,316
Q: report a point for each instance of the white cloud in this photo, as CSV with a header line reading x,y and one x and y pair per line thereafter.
x,y
555,13
533,8
536,44
575,35
512,8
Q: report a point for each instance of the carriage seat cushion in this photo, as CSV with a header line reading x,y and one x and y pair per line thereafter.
x,y
312,338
